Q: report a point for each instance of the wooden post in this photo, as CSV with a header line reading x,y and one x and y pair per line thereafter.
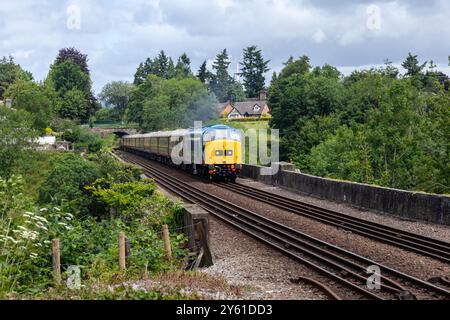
x,y
56,262
166,238
205,257
122,254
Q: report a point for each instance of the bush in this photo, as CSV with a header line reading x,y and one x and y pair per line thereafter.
x,y
66,180
15,126
121,196
89,141
25,234
89,241
83,138
113,170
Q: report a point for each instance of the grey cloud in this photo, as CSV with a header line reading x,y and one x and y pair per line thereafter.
x,y
117,35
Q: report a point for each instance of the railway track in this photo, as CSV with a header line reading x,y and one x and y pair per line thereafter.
x,y
342,266
420,244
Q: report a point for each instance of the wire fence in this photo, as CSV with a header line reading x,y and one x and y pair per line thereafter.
x,y
129,248
126,251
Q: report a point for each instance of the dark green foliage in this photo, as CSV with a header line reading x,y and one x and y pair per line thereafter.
x,y
203,73
74,105
116,94
16,136
183,67
159,104
88,242
115,171
327,71
70,77
412,65
370,126
10,72
72,54
221,80
298,98
106,115
162,66
39,100
66,180
300,66
82,138
236,92
253,70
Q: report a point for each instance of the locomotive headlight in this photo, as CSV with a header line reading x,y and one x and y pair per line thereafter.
x,y
219,153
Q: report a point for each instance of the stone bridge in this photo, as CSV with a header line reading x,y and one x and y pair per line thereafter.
x,y
120,132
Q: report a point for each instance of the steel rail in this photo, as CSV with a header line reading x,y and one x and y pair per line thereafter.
x,y
420,244
394,287
232,218
320,285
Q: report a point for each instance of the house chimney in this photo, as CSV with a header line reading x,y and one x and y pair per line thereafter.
x,y
263,95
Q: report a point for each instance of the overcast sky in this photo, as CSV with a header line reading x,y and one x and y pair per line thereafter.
x,y
118,34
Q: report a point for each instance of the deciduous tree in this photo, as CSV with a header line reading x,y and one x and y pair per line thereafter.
x,y
116,94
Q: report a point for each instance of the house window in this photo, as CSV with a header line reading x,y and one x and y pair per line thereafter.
x,y
256,108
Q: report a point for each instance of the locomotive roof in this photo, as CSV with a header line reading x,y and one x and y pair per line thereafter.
x,y
180,132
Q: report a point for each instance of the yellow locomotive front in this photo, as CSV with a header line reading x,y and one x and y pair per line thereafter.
x,y
222,152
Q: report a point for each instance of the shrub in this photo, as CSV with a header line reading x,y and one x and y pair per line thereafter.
x,y
121,196
90,242
66,180
113,170
25,234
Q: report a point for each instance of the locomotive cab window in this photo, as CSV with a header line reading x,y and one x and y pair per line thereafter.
x,y
222,135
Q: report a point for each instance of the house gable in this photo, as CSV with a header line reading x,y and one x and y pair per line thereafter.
x,y
234,114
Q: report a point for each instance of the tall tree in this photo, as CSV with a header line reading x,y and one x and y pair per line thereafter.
x,y
299,66
203,73
163,65
412,65
74,106
67,76
183,67
253,69
160,104
40,100
9,73
116,94
140,75
15,126
81,60
236,92
221,81
70,72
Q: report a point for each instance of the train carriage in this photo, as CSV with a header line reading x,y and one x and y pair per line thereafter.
x,y
213,151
